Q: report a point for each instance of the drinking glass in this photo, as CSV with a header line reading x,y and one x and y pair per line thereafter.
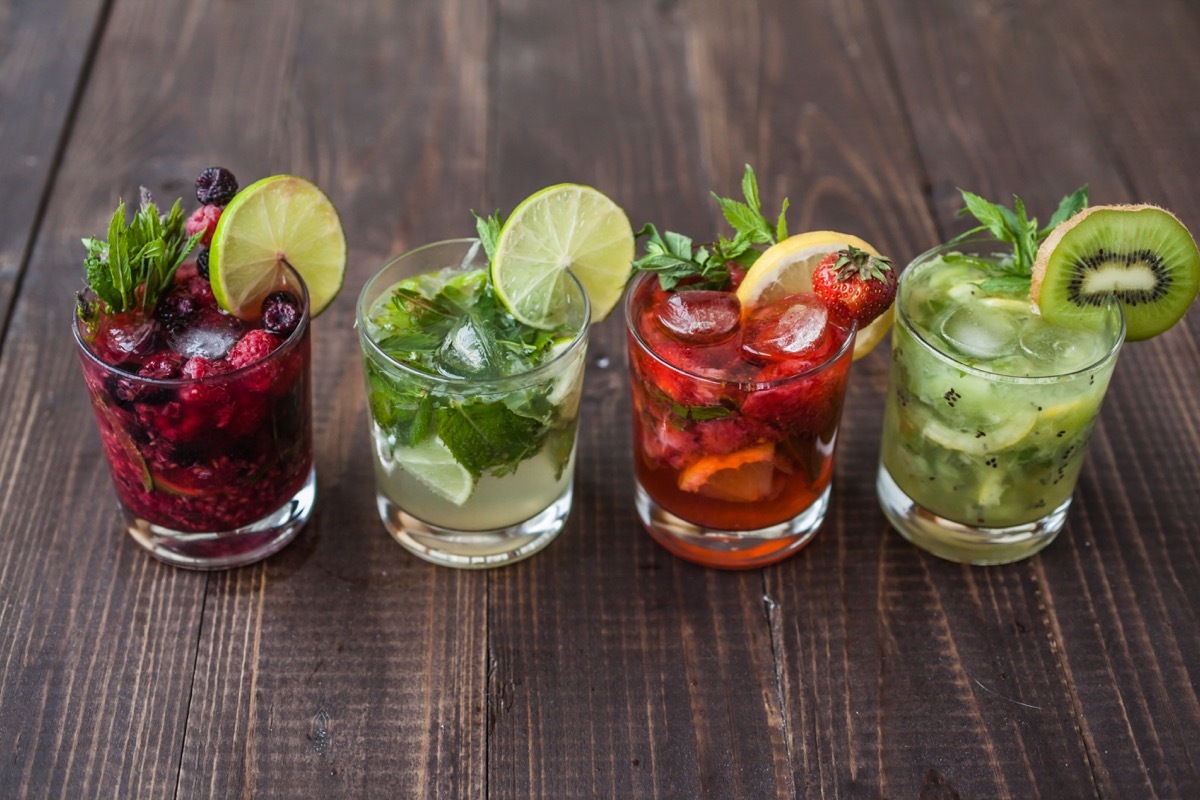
x,y
989,410
474,461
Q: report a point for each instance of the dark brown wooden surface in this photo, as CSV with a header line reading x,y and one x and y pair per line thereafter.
x,y
603,667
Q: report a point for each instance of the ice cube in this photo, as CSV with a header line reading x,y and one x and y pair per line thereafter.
x,y
469,351
699,315
1056,350
797,325
129,335
209,335
981,331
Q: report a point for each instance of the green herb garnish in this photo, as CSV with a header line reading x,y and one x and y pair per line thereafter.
x,y
1015,227
136,266
674,257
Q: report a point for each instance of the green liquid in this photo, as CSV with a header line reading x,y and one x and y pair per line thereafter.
x,y
989,408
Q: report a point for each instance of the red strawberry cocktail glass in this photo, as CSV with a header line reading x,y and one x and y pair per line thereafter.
x,y
735,420
205,419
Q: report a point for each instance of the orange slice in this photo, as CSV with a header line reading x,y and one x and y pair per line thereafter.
x,y
743,476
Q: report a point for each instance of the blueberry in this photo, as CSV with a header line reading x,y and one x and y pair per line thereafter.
x,y
281,312
175,309
216,186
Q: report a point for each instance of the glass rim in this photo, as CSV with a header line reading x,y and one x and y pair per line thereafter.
x,y
827,363
578,339
975,244
288,344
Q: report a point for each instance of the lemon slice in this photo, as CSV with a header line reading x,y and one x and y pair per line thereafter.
x,y
276,221
561,228
432,463
787,268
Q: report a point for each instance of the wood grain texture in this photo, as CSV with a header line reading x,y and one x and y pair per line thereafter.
x,y
603,667
38,84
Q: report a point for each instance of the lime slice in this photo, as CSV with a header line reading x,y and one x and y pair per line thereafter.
x,y
787,268
277,220
560,228
432,463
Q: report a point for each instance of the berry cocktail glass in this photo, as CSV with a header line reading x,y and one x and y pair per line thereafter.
x,y
206,420
735,420
989,408
473,413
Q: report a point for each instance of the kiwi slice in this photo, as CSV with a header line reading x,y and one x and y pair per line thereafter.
x,y
1142,256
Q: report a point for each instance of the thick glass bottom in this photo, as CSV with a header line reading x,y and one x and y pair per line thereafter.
x,y
482,549
226,549
966,544
725,549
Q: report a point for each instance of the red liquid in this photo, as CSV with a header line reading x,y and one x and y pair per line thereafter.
x,y
735,431
209,453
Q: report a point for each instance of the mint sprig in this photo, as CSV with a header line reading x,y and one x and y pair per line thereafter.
x,y
1014,226
675,258
136,265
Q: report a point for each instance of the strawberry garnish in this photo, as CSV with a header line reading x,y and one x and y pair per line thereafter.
x,y
855,284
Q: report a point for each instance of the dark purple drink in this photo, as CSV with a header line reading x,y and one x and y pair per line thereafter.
x,y
206,420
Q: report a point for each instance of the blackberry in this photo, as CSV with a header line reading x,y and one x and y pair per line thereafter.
x,y
175,309
216,186
202,263
281,312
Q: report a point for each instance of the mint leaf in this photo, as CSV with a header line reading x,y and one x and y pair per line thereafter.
x,y
1068,207
487,436
1017,227
1006,284
489,232
402,408
700,413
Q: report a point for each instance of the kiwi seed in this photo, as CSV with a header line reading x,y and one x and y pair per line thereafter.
x,y
1141,256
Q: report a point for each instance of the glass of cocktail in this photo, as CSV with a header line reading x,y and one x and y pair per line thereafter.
x,y
735,420
473,413
198,370
989,408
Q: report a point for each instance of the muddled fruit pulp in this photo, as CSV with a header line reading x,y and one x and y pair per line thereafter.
x,y
205,418
735,412
470,432
990,408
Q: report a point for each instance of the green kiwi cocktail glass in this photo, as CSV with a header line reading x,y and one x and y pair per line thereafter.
x,y
989,409
473,414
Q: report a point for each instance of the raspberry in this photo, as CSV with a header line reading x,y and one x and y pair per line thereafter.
x,y
202,263
163,366
198,367
252,348
203,220
281,313
216,186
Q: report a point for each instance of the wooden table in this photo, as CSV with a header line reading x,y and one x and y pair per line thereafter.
x,y
603,667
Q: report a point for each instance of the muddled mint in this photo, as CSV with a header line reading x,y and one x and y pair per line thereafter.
x,y
675,258
449,324
136,265
1015,227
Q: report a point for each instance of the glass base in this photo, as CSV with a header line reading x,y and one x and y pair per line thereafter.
x,y
712,547
226,549
966,544
475,549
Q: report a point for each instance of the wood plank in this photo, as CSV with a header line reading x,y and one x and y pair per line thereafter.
x,y
1137,667
904,675
43,57
1002,104
618,670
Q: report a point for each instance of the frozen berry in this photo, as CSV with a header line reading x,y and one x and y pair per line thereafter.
x,y
252,348
202,263
203,220
198,367
163,366
216,186
281,312
175,308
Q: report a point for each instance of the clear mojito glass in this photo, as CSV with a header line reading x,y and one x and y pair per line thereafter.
x,y
473,414
989,409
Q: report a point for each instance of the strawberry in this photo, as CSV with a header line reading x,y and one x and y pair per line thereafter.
x,y
855,284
